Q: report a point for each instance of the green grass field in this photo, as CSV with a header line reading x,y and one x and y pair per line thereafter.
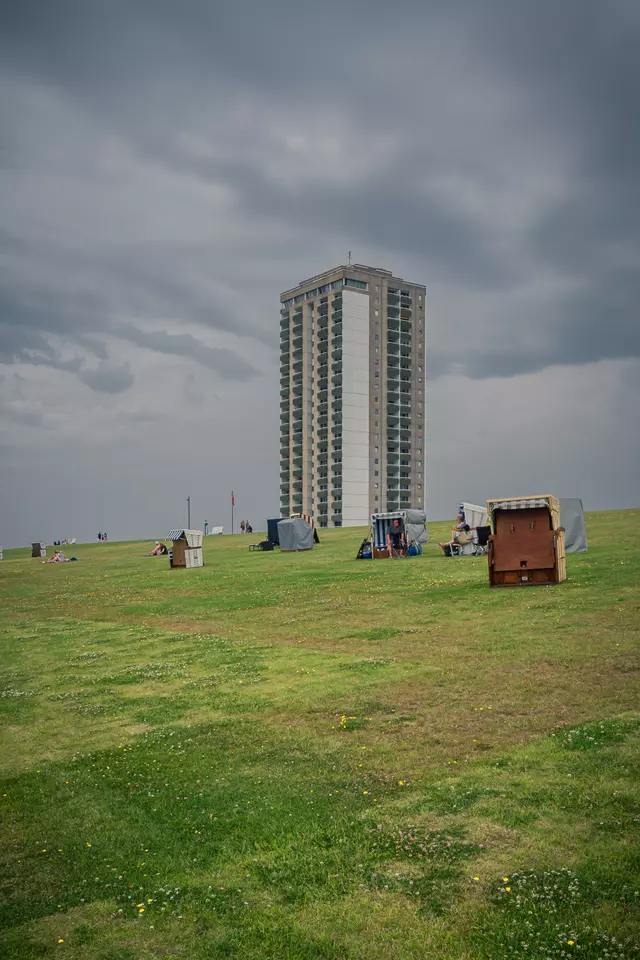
x,y
286,757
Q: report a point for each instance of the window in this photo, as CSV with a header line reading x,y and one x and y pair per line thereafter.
x,y
376,498
357,284
377,312
377,373
377,410
376,450
377,337
376,485
376,460
377,474
420,298
377,301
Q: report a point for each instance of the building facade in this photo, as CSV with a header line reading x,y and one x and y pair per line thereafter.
x,y
352,396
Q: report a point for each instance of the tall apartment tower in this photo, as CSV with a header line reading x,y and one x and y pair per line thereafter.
x,y
352,396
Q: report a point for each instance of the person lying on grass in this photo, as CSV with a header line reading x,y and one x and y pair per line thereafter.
x,y
159,550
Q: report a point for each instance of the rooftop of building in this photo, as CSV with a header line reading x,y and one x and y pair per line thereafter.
x,y
352,268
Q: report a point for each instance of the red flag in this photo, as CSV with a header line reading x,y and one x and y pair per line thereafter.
x,y
233,499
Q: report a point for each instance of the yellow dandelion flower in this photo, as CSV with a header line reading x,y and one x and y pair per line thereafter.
x,y
141,910
505,879
150,900
60,940
139,904
508,889
570,942
365,793
476,878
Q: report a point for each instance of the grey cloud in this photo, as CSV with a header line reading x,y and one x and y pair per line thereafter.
x,y
542,53
22,414
226,363
107,377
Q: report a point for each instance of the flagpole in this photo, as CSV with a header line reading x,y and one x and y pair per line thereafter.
x,y
233,503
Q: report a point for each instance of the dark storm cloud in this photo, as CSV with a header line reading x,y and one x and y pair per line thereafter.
x,y
572,67
107,377
100,287
226,363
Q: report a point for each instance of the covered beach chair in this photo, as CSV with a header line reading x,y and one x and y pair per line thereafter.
x,y
526,546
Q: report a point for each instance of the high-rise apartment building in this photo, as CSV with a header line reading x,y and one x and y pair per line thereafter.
x,y
352,396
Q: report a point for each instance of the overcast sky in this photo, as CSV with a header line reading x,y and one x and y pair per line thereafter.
x,y
167,168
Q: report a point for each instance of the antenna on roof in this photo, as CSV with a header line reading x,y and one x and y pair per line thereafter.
x,y
349,257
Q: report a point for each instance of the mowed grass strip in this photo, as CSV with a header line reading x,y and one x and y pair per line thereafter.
x,y
309,756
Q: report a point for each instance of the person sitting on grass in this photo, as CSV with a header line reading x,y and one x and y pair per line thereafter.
x,y
159,550
460,537
58,557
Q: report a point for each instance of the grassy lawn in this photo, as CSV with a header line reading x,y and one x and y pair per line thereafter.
x,y
282,757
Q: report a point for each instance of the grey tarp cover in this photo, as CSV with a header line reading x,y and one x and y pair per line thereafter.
x,y
416,530
572,519
295,534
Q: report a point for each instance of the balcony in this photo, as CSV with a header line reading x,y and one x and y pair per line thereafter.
x,y
336,366
393,313
336,316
